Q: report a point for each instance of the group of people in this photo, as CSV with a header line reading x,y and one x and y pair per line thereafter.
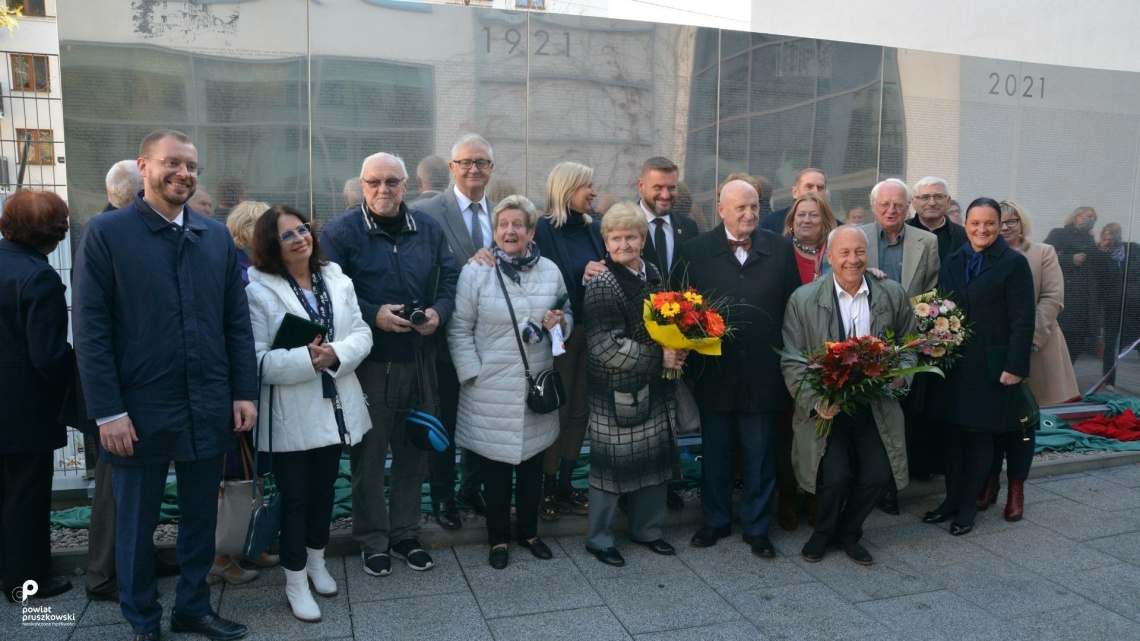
x,y
451,306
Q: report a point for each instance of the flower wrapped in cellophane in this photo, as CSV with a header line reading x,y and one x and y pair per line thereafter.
x,y
684,320
942,326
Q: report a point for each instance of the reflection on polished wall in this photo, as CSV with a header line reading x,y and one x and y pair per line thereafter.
x,y
289,96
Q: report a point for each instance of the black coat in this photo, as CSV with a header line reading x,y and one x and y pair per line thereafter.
x,y
552,246
951,236
35,358
999,304
684,229
1081,319
774,221
162,331
746,376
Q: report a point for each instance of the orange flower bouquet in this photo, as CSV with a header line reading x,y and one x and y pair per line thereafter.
x,y
684,320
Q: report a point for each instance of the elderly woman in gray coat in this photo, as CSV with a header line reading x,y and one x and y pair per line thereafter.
x,y
633,410
501,434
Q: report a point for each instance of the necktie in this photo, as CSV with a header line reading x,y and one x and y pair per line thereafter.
x,y
476,227
746,244
662,247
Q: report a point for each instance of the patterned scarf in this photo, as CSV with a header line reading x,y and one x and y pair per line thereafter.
x,y
323,314
512,265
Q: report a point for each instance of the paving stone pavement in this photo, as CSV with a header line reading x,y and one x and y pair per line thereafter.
x,y
1068,571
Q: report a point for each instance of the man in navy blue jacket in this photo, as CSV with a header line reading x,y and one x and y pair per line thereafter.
x,y
396,257
166,358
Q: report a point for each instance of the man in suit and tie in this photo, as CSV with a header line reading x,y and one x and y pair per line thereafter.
x,y
464,212
667,229
905,254
810,179
741,390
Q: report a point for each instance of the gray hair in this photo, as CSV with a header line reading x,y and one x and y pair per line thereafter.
x,y
433,172
858,228
476,139
392,158
521,203
123,182
890,181
353,192
932,180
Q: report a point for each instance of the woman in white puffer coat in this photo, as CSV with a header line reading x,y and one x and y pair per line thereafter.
x,y
289,275
494,424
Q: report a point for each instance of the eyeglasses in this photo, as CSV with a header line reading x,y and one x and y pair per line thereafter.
x,y
889,206
174,164
483,164
1011,222
929,197
297,234
391,183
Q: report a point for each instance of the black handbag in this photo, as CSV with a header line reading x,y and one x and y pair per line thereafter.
x,y
1022,410
265,518
545,392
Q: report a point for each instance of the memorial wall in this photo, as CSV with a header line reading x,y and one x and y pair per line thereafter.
x,y
288,96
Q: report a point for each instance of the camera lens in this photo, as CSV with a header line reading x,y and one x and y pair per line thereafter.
x,y
417,317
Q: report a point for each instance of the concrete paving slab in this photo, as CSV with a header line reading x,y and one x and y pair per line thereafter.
x,y
664,601
446,577
595,624
265,611
440,616
805,612
1005,589
1096,492
638,560
888,577
936,616
1116,588
1042,551
731,631
921,546
1125,547
475,555
1078,623
732,569
1080,522
1126,475
530,588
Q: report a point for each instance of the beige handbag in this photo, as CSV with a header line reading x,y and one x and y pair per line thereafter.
x,y
236,500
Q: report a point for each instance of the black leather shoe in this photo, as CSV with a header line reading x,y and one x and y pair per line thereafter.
x,y
815,548
476,500
761,546
673,501
660,546
162,567
958,530
447,515
537,548
210,626
858,554
890,502
46,588
935,517
708,535
498,558
609,556
153,635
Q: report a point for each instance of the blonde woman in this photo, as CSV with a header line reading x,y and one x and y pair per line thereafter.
x,y
570,237
240,223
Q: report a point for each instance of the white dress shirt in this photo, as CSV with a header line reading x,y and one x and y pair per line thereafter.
x,y
855,310
484,216
739,252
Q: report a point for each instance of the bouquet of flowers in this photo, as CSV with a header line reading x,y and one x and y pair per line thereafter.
x,y
684,320
855,372
942,326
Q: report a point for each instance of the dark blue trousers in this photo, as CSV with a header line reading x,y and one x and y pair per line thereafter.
x,y
138,497
758,451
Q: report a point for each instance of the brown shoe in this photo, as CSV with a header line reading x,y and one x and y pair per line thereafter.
x,y
786,513
989,493
1015,500
548,509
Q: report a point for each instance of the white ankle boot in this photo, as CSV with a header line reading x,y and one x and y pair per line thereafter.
x,y
323,582
300,599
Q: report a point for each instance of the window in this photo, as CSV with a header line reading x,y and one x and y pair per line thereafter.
x,y
35,8
30,72
42,151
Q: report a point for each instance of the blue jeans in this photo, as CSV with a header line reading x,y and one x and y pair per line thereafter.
x,y
758,450
138,497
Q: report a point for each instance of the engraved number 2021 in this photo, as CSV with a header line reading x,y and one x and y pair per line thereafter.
x,y
1030,87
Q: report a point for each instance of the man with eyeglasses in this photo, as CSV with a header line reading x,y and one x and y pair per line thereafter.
x,y
904,253
400,263
464,213
166,359
931,202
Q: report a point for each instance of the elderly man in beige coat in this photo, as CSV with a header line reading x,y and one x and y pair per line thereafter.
x,y
850,468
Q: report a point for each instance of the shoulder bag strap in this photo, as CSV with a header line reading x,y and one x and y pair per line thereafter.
x,y
514,323
257,426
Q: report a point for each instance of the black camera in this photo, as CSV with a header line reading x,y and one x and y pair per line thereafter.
x,y
413,312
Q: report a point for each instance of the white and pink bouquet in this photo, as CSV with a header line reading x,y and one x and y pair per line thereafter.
x,y
943,327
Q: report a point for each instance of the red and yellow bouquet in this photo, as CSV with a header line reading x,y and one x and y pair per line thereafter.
x,y
856,372
684,320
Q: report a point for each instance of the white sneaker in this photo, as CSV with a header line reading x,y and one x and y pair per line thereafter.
x,y
300,599
323,582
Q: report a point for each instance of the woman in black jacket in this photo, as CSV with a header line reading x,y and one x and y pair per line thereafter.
x,y
36,362
993,285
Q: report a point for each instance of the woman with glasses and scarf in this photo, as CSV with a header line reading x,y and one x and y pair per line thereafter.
x,y
514,304
318,406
